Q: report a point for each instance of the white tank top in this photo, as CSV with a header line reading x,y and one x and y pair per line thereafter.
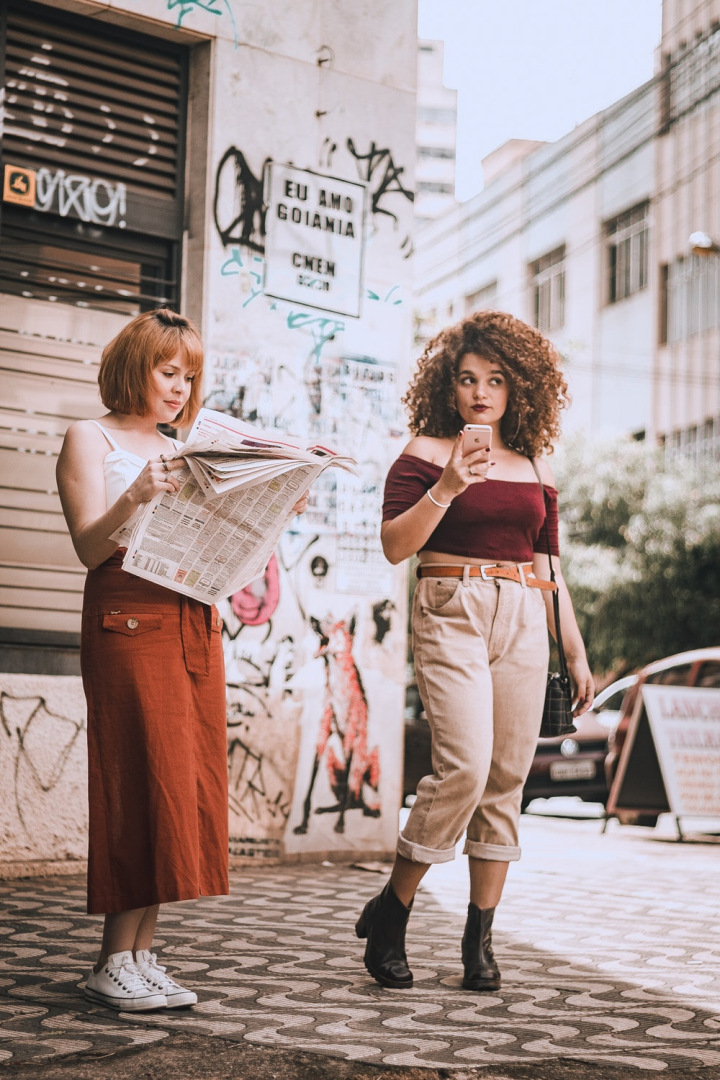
x,y
121,467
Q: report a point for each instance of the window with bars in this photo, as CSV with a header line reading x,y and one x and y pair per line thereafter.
x,y
699,443
627,253
444,152
547,290
692,76
94,118
691,302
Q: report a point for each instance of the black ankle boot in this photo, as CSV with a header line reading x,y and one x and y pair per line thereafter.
x,y
383,923
481,971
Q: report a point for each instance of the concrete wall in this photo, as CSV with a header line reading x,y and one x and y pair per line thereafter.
x,y
328,87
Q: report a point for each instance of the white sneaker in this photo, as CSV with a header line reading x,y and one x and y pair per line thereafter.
x,y
120,985
158,980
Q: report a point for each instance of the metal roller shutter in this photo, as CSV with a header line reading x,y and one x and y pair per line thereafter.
x,y
96,117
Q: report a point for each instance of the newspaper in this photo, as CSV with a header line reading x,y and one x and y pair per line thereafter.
x,y
237,490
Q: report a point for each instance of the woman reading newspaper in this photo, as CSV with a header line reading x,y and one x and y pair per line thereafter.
x,y
152,667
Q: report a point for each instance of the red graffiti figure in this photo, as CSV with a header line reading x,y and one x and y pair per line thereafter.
x,y
345,714
256,603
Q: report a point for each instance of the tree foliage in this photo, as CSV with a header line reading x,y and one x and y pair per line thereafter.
x,y
641,552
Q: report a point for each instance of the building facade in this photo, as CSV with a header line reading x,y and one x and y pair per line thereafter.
x,y
588,239
687,200
559,237
436,135
142,149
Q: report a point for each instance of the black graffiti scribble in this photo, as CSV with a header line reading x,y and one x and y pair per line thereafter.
x,y
382,619
248,793
382,174
37,713
247,225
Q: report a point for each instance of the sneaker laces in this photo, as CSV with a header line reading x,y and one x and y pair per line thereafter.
x,y
161,979
129,976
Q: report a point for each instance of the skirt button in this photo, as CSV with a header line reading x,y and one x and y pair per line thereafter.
x,y
132,624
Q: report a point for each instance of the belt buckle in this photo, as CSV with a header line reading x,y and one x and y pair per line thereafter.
x,y
483,568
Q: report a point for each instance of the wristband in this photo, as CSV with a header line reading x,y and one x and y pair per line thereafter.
x,y
443,506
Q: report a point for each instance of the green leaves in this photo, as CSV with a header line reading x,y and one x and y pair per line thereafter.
x,y
641,551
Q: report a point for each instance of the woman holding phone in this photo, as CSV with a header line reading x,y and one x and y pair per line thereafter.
x,y
479,519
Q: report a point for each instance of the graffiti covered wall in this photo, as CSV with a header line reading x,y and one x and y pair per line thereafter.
x,y
43,772
315,651
300,278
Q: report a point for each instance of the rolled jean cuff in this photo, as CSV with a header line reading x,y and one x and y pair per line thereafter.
x,y
491,852
418,853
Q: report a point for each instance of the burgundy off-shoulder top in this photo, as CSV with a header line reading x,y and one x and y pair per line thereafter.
x,y
501,519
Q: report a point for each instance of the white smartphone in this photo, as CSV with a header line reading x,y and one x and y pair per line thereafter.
x,y
477,437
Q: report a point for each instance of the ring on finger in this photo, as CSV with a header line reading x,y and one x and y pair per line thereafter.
x,y
165,467
471,470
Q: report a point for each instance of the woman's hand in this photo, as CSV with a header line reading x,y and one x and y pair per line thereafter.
x,y
301,505
460,472
156,476
583,685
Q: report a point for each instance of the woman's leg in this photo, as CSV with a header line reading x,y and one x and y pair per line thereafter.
x,y
405,878
487,879
146,930
119,933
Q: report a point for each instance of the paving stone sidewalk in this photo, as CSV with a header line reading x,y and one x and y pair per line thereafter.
x,y
609,947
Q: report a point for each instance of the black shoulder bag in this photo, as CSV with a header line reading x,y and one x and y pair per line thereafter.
x,y
557,716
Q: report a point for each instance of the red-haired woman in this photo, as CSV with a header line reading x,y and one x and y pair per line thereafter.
x,y
481,611
152,667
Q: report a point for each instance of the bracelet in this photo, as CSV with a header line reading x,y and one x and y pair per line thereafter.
x,y
443,506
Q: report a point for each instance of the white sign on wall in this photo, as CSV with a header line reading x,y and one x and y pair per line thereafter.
x,y
314,239
685,725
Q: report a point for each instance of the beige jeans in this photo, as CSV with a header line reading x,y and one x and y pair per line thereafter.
x,y
481,658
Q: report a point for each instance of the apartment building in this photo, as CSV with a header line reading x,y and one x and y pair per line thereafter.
x,y
588,238
560,237
436,135
686,370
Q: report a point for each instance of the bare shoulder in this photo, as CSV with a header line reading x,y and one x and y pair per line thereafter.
x,y
426,448
84,438
546,473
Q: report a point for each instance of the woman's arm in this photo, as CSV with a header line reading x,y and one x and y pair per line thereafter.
x,y
573,643
81,484
572,639
406,534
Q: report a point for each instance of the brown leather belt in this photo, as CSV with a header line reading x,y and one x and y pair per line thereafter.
x,y
519,572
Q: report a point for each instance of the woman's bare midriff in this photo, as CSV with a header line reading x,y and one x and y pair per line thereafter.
x,y
436,557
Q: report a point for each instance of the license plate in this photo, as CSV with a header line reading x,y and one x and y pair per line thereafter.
x,y
572,770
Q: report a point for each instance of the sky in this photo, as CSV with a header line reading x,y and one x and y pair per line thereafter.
x,y
533,69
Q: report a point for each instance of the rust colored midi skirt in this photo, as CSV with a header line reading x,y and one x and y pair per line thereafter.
x,y
154,678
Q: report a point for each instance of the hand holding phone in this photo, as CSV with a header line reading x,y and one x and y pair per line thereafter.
x,y
476,437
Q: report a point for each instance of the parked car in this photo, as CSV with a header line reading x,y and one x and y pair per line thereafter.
x,y
700,667
575,764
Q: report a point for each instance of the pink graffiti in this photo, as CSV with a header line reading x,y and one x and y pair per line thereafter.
x,y
256,603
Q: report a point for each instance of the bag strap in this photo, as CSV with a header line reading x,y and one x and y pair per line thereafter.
x,y
555,596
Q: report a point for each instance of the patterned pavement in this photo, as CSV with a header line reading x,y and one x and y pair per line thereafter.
x,y
609,947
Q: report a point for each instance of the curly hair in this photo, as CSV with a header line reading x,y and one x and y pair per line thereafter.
x,y
537,389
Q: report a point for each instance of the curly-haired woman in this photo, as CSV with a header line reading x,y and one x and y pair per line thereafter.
x,y
481,610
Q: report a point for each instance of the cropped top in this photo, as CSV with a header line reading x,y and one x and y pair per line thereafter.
x,y
500,519
121,468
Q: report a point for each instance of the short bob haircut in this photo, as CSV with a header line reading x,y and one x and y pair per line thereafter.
x,y
537,388
128,361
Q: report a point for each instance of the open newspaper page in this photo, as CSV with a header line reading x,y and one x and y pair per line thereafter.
x,y
209,545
